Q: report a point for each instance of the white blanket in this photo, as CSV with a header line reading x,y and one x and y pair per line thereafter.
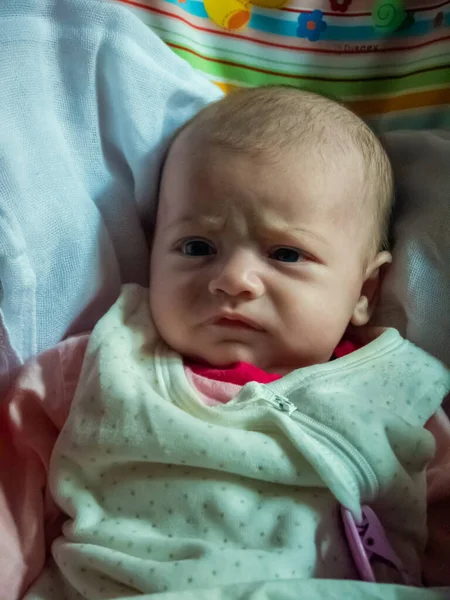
x,y
88,100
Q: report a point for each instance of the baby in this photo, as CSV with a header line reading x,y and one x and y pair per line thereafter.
x,y
226,426
271,231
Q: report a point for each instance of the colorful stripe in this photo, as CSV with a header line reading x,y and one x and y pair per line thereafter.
x,y
403,76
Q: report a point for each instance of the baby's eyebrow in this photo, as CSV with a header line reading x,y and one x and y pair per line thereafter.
x,y
274,229
206,222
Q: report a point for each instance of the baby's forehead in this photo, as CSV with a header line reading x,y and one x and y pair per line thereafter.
x,y
287,196
322,163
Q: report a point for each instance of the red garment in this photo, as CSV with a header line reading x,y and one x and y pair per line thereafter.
x,y
241,373
345,347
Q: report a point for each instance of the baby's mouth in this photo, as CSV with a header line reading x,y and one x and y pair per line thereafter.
x,y
236,322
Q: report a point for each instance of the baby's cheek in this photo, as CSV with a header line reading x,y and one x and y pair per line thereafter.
x,y
163,305
171,327
175,306
304,308
315,325
194,294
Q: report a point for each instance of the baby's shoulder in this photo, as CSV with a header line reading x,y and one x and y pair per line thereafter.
x,y
399,375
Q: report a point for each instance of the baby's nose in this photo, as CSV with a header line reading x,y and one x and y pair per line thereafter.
x,y
238,276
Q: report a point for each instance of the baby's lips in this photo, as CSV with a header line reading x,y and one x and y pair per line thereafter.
x,y
229,319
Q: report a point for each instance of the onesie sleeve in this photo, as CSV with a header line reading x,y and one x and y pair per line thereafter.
x,y
31,417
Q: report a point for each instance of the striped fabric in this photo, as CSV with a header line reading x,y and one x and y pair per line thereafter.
x,y
343,48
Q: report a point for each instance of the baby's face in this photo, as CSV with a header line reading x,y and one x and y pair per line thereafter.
x,y
254,261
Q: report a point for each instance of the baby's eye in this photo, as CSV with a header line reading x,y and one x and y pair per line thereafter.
x,y
285,254
197,248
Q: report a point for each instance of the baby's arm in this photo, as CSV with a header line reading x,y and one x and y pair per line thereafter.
x,y
31,418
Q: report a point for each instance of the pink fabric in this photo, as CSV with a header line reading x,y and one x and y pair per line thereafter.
x,y
212,392
31,418
437,556
438,471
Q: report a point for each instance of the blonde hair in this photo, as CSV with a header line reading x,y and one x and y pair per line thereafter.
x,y
272,119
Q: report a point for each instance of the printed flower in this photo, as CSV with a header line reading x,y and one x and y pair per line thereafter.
x,y
311,25
340,5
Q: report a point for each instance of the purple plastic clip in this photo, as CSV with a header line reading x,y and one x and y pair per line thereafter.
x,y
368,542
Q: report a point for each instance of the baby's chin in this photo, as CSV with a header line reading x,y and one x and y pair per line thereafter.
x,y
228,356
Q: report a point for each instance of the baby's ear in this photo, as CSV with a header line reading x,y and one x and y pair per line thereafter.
x,y
369,293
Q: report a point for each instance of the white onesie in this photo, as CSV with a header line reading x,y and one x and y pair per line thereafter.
x,y
164,493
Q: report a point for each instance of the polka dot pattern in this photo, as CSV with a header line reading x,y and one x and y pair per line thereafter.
x,y
165,494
